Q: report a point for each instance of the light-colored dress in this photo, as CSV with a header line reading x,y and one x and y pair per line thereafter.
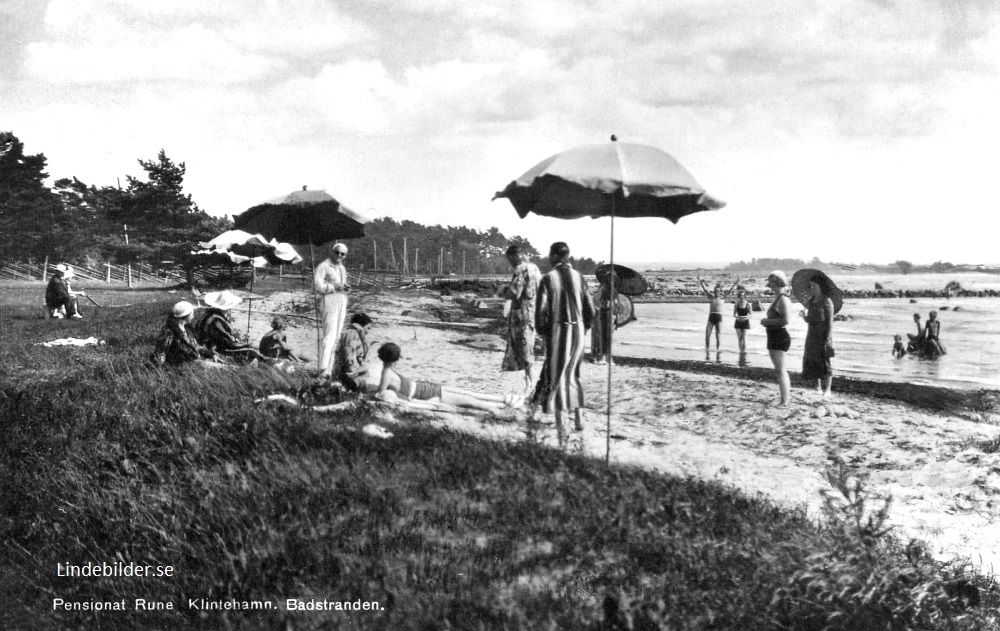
x,y
521,319
332,308
563,314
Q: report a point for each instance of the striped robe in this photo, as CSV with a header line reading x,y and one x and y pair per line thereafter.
x,y
563,314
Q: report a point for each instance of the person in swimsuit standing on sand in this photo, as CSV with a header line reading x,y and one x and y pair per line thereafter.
x,y
778,340
716,302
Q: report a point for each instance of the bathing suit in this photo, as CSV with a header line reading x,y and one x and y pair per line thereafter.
x,y
743,317
714,318
418,390
778,338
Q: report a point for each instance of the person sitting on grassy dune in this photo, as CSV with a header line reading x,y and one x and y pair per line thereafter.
x,y
177,343
60,299
215,330
352,353
394,384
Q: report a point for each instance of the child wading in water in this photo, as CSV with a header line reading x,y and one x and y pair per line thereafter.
x,y
416,390
898,350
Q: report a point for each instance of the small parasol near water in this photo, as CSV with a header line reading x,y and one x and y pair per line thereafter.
x,y
627,280
624,311
802,292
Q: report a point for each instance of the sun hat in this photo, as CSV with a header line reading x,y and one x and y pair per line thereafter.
x,y
802,292
182,309
65,270
780,276
222,300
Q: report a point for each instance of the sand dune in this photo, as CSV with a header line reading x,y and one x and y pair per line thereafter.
x,y
946,487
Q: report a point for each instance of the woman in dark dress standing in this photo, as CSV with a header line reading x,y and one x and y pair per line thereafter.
x,y
819,342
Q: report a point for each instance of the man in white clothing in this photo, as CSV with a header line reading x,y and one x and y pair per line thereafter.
x,y
330,280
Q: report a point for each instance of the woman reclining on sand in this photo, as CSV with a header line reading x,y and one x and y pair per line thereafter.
x,y
395,385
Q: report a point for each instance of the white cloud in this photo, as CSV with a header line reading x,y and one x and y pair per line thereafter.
x,y
191,54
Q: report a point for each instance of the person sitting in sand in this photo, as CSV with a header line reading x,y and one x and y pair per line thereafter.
x,y
60,299
215,330
716,304
416,390
898,350
352,353
177,343
274,343
932,332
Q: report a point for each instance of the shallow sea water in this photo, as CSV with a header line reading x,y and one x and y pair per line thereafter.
x,y
970,332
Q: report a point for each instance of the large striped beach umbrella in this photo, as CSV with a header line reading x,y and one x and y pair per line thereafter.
x,y
613,179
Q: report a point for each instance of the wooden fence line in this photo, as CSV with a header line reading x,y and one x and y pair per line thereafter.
x,y
105,272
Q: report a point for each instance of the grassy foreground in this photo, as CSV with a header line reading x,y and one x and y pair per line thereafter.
x,y
104,459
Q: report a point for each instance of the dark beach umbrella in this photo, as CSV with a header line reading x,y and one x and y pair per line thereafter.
x,y
608,180
305,216
802,292
627,280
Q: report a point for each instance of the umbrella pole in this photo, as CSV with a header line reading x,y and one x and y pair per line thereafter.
x,y
319,346
611,333
250,301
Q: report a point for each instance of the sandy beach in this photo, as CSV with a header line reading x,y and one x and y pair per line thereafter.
x,y
711,423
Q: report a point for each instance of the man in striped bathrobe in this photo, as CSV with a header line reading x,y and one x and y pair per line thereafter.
x,y
563,315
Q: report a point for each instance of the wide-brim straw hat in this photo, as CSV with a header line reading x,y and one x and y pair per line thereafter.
x,y
802,292
222,300
65,270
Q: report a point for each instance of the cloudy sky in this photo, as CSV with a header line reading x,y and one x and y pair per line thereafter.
x,y
851,130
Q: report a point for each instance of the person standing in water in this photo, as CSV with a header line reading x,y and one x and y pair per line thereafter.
x,y
741,313
716,305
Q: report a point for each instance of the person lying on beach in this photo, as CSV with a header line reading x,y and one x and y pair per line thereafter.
x,y
274,344
898,350
932,332
416,390
716,302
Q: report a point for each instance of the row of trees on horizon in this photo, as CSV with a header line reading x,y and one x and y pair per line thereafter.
x,y
764,265
152,220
